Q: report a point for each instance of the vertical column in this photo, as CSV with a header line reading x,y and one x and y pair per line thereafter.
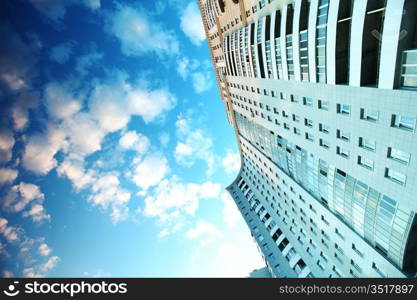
x,y
312,22
331,41
272,42
389,46
356,37
296,40
263,47
284,41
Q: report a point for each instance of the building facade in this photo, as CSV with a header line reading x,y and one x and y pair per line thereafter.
x,y
322,95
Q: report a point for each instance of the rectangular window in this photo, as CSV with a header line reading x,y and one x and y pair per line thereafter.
x,y
343,135
395,176
286,126
324,144
323,104
343,109
369,115
376,269
398,155
368,144
297,131
324,128
364,162
308,101
356,250
308,122
310,137
403,122
342,152
295,118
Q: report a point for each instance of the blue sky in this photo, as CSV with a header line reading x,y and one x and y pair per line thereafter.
x,y
114,145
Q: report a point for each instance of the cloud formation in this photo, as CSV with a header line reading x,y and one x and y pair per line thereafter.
x,y
192,24
231,162
193,144
139,34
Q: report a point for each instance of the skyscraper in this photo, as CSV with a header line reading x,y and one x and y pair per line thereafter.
x,y
322,95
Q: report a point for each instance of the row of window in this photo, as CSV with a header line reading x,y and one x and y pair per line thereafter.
x,y
325,240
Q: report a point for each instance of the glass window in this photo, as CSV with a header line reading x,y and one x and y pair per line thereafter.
x,y
342,152
343,135
368,144
398,155
403,122
369,115
367,163
324,105
395,176
324,128
343,109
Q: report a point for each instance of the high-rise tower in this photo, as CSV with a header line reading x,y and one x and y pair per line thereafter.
x,y
322,95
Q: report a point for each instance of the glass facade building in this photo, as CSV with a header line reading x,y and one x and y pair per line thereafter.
x,y
323,99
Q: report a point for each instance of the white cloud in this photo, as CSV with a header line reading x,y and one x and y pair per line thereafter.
x,y
61,53
20,110
172,198
74,170
150,171
44,250
6,145
139,34
231,214
237,262
192,24
7,175
107,193
231,162
206,232
37,213
60,102
93,4
135,141
21,195
11,233
193,144
41,270
202,81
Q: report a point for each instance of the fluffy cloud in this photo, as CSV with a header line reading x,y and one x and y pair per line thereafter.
x,y
20,110
134,141
62,52
172,198
231,214
206,232
40,150
138,34
7,175
231,162
73,169
44,250
37,213
20,196
60,101
42,269
193,144
185,66
192,24
11,233
150,171
6,145
202,81
107,193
